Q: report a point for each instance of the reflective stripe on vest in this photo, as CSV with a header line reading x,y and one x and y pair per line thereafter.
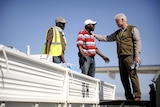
x,y
56,46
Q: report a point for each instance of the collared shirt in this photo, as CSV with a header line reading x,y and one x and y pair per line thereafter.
x,y
63,35
136,39
62,31
87,42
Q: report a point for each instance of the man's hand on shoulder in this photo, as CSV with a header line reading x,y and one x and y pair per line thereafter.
x,y
93,34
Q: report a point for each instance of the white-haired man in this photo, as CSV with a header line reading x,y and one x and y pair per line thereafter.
x,y
128,49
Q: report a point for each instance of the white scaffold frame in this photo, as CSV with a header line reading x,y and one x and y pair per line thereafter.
x,y
25,79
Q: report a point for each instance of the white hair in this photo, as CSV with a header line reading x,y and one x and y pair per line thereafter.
x,y
120,16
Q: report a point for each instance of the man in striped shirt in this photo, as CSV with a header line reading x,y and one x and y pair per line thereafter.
x,y
87,49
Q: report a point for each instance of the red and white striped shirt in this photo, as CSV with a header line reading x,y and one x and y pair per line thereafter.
x,y
87,42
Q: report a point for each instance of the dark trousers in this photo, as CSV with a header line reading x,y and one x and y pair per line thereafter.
x,y
57,59
129,77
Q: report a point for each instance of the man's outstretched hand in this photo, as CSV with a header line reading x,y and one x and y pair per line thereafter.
x,y
106,59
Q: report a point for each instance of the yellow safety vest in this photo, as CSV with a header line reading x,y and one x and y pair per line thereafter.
x,y
56,46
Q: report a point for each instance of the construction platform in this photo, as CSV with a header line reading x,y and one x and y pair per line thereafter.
x,y
125,103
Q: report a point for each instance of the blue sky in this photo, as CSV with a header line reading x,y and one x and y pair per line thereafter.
x,y
25,22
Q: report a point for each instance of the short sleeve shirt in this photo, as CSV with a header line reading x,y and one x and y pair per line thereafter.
x,y
87,42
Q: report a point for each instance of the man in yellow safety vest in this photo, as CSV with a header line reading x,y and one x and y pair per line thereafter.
x,y
55,44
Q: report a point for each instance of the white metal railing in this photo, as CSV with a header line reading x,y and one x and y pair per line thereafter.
x,y
29,79
82,88
107,91
24,78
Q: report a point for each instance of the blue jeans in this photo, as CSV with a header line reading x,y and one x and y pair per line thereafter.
x,y
88,67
